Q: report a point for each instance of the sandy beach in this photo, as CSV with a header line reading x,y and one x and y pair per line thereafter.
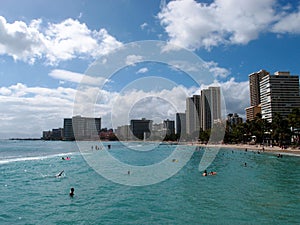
x,y
274,150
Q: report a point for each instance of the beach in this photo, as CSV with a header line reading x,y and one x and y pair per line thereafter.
x,y
269,149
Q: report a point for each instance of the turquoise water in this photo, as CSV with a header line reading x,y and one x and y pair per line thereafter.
x,y
266,191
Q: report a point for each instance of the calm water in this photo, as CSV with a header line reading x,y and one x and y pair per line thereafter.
x,y
267,191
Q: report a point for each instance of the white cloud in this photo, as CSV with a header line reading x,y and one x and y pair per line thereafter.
x,y
142,70
65,75
27,111
290,23
144,25
216,70
236,95
194,25
132,59
56,42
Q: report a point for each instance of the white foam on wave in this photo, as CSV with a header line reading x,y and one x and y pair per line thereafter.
x,y
32,158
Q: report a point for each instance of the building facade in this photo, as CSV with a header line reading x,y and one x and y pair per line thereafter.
x,y
279,94
169,126
180,124
141,129
81,128
193,114
210,107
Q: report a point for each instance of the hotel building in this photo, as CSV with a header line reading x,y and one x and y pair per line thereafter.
x,y
279,94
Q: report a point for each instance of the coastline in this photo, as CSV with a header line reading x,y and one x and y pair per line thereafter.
x,y
267,149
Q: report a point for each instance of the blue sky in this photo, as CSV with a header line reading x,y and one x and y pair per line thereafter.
x,y
47,46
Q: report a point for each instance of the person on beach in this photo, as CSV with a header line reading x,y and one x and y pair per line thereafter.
x,y
71,192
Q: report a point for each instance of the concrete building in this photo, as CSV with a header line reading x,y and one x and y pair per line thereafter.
x,y
81,128
180,124
254,86
193,114
252,111
169,126
123,133
210,111
255,99
279,94
68,134
141,128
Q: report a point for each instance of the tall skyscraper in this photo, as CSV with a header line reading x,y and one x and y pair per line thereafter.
x,y
210,107
141,128
254,86
169,125
180,124
81,128
279,94
193,114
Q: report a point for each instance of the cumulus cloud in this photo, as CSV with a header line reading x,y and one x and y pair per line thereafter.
x,y
133,59
27,111
290,23
55,42
200,25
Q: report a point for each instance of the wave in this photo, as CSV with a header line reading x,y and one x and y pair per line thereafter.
x,y
32,158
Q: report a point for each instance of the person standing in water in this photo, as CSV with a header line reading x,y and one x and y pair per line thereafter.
x,y
71,192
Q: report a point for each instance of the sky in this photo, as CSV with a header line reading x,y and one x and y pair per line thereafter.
x,y
93,57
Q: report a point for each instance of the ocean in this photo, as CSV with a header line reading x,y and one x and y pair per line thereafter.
x,y
265,191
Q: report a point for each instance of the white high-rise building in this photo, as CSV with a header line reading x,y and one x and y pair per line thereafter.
x,y
193,114
210,107
279,94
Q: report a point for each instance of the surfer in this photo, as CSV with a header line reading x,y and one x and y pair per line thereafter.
x,y
59,175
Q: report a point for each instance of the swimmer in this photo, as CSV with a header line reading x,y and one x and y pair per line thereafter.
x,y
128,172
71,192
212,173
63,158
59,175
204,173
245,164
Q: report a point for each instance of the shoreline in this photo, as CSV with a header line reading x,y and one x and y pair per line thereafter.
x,y
263,149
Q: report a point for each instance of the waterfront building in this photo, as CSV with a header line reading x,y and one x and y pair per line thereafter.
x,y
169,126
68,134
210,112
279,94
255,95
81,128
180,124
193,114
252,111
123,133
141,129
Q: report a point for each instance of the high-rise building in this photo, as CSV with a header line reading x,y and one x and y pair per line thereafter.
x,y
254,86
279,94
81,128
180,123
169,125
141,128
68,130
255,99
193,114
210,107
